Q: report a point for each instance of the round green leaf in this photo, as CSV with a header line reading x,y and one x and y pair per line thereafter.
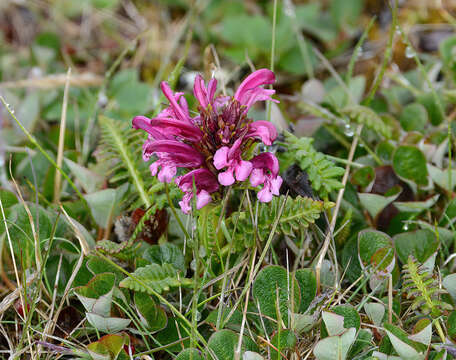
x,y
421,244
271,288
188,354
152,315
308,285
413,117
224,342
369,242
351,316
410,163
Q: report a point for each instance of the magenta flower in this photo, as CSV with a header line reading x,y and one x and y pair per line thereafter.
x,y
214,144
265,171
205,184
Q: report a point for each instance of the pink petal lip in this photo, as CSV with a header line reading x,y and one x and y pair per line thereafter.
x,y
255,79
267,161
242,170
264,130
221,158
180,154
204,180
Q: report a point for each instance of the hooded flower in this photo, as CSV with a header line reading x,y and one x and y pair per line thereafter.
x,y
205,184
214,143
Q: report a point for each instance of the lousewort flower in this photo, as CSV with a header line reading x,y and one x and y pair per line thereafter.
x,y
214,144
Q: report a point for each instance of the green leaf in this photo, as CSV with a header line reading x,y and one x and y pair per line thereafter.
x,y
410,163
404,350
449,283
105,205
283,341
224,342
375,203
152,315
334,323
436,114
296,216
421,244
308,285
166,253
89,180
351,316
335,347
29,111
369,242
416,206
189,354
122,144
96,296
107,325
364,115
442,177
451,325
375,312
271,292
323,174
159,278
108,347
414,117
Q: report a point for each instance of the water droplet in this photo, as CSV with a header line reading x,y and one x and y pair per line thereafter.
x,y
348,130
405,227
398,30
409,52
12,111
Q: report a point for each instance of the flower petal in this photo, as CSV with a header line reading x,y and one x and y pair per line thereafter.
x,y
264,130
183,129
264,195
226,178
275,185
180,154
185,203
203,178
242,170
180,113
167,173
221,158
144,123
202,199
255,79
266,161
257,177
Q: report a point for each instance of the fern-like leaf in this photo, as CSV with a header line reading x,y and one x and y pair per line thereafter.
x,y
122,144
159,278
297,215
364,115
423,289
323,174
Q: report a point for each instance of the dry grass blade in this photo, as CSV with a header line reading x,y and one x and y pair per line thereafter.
x,y
58,175
55,81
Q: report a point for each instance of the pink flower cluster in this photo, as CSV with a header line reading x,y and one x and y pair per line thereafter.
x,y
214,143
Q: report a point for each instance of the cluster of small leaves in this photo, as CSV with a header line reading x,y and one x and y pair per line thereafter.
x,y
366,116
155,278
323,174
297,214
423,288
